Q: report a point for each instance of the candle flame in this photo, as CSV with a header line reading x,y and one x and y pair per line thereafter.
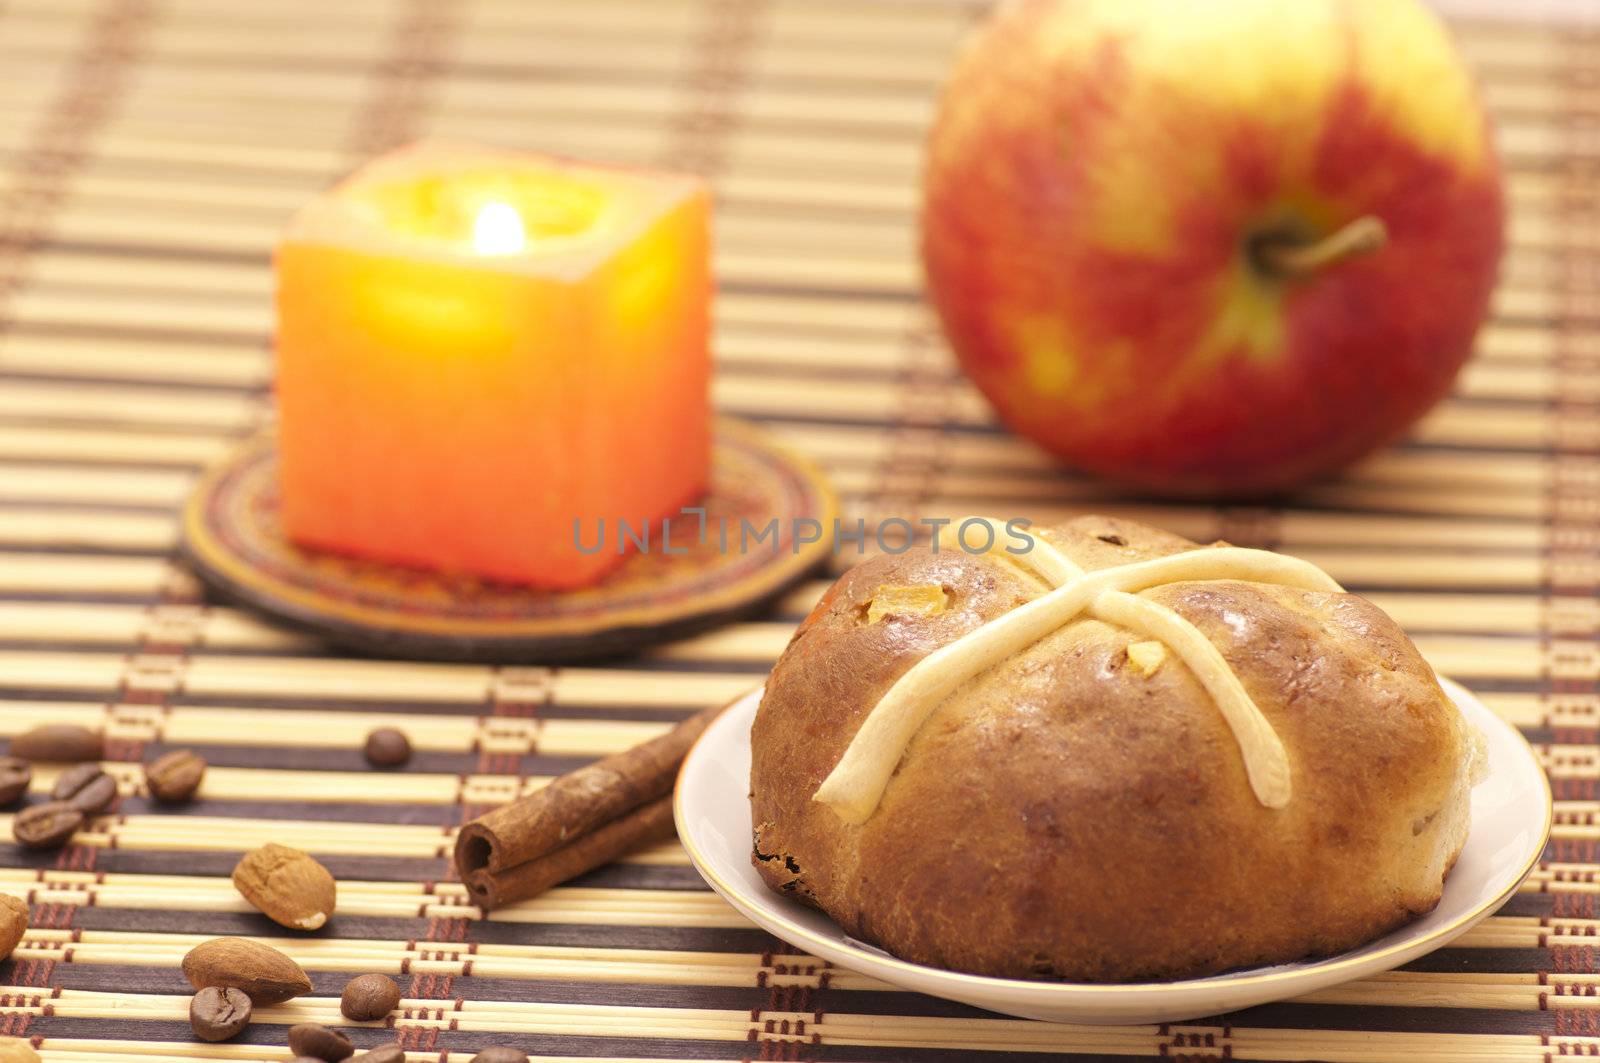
x,y
498,230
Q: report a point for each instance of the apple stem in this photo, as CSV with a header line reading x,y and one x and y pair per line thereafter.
x,y
1296,259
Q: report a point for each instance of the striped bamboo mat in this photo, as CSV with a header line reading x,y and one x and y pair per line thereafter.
x,y
151,149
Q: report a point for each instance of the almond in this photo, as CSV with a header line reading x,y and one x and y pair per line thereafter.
x,y
17,1050
13,923
63,743
288,886
263,974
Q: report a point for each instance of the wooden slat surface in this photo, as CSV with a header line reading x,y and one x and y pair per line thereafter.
x,y
150,150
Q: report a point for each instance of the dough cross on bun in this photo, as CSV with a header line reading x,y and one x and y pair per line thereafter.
x,y
856,784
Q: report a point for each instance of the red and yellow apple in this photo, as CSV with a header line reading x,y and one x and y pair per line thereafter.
x,y
1211,249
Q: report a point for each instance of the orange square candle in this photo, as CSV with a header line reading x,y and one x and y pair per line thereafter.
x,y
478,348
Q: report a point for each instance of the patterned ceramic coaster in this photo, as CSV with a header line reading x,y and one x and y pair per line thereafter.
x,y
232,537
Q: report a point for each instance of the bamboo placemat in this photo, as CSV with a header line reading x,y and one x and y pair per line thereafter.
x,y
151,149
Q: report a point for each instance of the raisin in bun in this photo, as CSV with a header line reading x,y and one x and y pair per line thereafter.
x,y
1082,807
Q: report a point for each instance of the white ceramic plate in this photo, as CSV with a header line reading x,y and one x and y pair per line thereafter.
x,y
1510,820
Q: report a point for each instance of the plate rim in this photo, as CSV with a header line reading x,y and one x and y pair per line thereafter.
x,y
1150,991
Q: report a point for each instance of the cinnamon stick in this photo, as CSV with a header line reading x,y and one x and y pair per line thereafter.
x,y
578,803
642,826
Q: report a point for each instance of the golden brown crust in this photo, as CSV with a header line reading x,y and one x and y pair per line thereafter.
x,y
1063,815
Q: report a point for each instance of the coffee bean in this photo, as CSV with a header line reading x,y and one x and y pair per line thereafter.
x,y
309,1039
389,1053
15,776
217,1013
86,787
369,997
176,776
47,826
59,742
388,747
500,1054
